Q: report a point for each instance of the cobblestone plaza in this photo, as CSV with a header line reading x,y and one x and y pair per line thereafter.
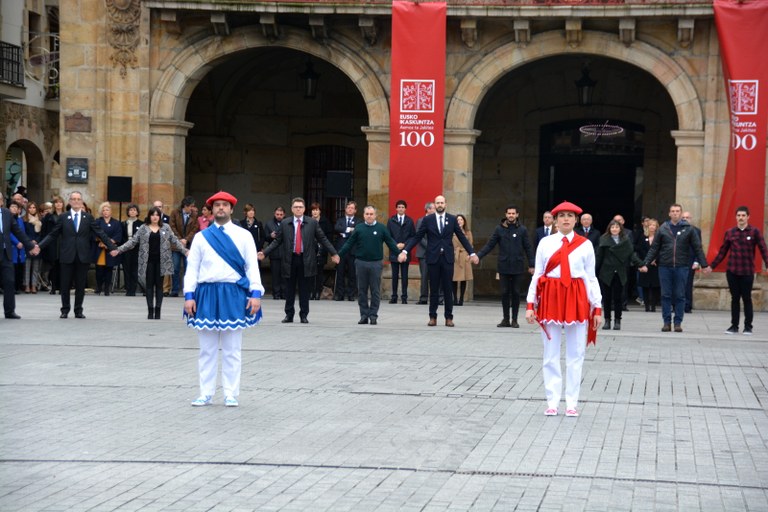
x,y
400,416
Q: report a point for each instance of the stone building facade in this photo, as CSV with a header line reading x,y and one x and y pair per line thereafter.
x,y
187,98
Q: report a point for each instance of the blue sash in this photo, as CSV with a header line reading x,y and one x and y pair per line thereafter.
x,y
226,248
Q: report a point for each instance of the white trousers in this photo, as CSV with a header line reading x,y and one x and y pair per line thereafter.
x,y
575,349
207,363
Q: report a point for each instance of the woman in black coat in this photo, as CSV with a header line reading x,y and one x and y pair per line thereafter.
x,y
131,258
105,262
51,253
649,281
615,252
253,225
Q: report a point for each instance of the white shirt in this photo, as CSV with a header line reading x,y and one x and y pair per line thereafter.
x,y
582,263
204,265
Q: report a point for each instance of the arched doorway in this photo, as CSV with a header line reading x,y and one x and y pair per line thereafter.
x,y
256,131
24,166
532,152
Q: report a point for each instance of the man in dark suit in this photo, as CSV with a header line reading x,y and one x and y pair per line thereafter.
x,y
545,230
8,226
298,235
77,228
439,230
401,227
587,230
346,281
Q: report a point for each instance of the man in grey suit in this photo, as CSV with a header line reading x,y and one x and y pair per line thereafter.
x,y
299,235
8,226
77,228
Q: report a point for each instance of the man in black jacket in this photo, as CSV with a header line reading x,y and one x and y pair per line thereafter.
x,y
298,237
401,227
512,239
271,229
77,228
675,247
346,281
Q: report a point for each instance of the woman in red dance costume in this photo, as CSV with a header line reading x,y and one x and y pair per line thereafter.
x,y
564,296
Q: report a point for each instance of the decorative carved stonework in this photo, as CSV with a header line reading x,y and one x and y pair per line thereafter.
x,y
77,123
123,31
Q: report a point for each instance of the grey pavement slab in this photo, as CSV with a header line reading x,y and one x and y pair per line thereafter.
x,y
398,416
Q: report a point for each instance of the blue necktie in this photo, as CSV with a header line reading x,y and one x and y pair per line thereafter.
x,y
76,221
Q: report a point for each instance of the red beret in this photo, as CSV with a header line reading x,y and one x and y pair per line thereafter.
x,y
222,196
566,206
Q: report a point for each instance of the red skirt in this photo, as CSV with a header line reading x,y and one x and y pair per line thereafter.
x,y
560,304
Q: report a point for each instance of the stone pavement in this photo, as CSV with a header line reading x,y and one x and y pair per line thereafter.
x,y
399,416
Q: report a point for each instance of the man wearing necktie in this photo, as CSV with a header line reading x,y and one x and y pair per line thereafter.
x,y
298,237
587,230
8,227
564,296
547,229
76,228
439,229
346,281
401,227
184,225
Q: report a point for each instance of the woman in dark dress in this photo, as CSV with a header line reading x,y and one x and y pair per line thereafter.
x,y
105,262
615,253
51,252
131,258
316,288
649,281
253,225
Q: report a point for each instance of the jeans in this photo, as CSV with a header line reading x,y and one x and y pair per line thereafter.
x,y
741,289
177,258
673,282
368,278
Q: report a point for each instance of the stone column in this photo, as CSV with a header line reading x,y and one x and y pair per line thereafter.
x,y
690,169
378,168
167,149
457,177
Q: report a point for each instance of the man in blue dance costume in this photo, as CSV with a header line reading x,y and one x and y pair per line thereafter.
x,y
222,296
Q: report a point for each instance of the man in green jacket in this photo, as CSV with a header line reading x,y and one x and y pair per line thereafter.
x,y
366,242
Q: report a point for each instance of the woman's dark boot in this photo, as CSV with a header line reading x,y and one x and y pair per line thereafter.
x,y
157,313
150,313
607,325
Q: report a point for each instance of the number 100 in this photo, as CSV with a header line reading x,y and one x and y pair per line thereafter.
x,y
414,139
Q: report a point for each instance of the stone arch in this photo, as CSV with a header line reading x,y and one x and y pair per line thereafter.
x,y
473,87
170,97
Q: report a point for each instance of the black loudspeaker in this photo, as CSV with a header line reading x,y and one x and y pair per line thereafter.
x,y
338,184
119,189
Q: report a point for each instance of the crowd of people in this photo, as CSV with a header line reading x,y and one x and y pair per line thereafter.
x,y
581,279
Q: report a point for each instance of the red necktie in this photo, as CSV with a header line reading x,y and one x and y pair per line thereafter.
x,y
565,267
297,248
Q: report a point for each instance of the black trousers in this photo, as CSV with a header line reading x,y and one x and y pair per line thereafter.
x,y
276,269
154,282
400,274
440,278
76,272
297,278
346,279
131,271
8,277
741,290
510,294
612,297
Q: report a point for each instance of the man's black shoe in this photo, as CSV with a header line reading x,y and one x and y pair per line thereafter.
x,y
363,320
79,315
12,316
338,299
503,323
373,321
350,299
63,315
393,300
405,301
422,302
304,320
287,320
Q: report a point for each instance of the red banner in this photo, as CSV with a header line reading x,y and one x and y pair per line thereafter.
x,y
417,108
741,29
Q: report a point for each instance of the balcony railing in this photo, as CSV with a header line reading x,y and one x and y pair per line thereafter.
x,y
11,66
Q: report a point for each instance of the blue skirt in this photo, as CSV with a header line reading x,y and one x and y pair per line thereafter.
x,y
221,307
